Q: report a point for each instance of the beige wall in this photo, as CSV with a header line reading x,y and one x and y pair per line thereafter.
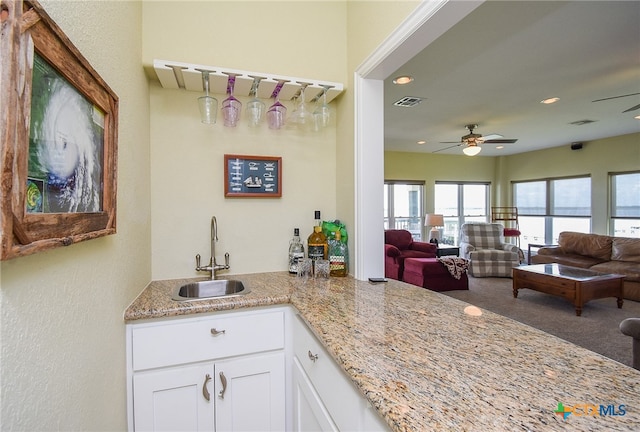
x,y
62,358
597,159
63,348
368,25
283,38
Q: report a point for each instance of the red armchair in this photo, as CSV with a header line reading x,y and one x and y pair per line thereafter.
x,y
399,245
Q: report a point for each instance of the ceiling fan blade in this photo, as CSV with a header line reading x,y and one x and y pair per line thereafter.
x,y
615,97
500,141
447,148
491,137
633,108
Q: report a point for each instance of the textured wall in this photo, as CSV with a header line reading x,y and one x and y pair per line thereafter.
x,y
63,349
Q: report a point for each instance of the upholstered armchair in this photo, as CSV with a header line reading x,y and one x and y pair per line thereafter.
x,y
484,246
631,327
399,245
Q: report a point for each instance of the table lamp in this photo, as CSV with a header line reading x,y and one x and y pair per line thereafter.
x,y
434,221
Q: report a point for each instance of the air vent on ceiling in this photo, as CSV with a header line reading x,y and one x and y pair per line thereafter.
x,y
582,122
408,101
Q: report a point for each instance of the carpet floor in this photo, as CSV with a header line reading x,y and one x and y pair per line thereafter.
x,y
596,330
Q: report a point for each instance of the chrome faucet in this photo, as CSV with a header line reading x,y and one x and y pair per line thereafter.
x,y
213,265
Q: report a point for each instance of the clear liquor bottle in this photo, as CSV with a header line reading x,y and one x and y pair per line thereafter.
x,y
317,241
338,257
296,251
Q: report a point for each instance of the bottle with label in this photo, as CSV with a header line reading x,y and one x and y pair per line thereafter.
x,y
338,257
296,251
317,241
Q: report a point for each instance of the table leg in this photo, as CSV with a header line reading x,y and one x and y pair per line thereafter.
x,y
578,310
620,301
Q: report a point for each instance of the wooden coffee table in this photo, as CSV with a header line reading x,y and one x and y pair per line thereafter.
x,y
577,285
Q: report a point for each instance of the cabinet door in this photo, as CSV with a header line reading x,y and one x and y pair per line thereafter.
x,y
173,399
250,393
310,414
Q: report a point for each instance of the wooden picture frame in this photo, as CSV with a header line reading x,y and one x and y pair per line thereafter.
x,y
58,124
252,176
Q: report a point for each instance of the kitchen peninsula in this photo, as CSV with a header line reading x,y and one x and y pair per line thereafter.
x,y
425,364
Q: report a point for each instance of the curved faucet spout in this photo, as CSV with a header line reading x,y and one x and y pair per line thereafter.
x,y
213,266
214,229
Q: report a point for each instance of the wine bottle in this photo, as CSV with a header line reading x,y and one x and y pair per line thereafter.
x,y
296,251
338,256
317,241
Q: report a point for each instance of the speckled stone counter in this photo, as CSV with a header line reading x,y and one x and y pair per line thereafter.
x,y
427,365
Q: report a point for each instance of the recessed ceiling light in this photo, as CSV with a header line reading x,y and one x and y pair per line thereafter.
x,y
406,79
637,117
422,142
550,100
499,147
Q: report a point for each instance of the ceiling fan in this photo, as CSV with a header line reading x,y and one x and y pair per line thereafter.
x,y
633,108
472,141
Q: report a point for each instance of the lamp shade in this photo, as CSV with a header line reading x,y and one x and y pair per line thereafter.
x,y
433,220
472,150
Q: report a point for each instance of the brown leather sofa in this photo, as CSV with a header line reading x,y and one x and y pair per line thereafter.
x,y
597,252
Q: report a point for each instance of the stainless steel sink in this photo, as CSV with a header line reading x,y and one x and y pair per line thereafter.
x,y
209,289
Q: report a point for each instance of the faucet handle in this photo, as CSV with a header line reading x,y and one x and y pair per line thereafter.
x,y
226,260
198,262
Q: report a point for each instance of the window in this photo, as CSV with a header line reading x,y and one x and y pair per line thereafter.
x,y
625,204
460,203
548,207
403,207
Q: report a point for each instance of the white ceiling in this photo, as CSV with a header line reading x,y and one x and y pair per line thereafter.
x,y
496,65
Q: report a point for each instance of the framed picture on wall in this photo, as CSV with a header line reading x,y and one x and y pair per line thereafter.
x,y
252,176
59,138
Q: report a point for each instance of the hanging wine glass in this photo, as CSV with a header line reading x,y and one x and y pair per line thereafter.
x,y
208,104
301,117
231,107
322,114
255,107
277,112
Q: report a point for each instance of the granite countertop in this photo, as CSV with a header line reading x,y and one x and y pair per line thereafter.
x,y
425,364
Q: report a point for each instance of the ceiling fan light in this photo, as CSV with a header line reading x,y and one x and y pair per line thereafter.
x,y
471,150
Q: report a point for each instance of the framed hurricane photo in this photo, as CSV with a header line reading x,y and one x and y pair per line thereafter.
x,y
59,138
252,176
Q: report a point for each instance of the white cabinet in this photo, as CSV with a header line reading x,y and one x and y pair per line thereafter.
x,y
223,372
172,399
254,399
250,370
310,414
324,398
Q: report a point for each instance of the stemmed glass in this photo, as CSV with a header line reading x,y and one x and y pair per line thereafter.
x,y
277,112
208,104
301,116
322,113
231,107
255,107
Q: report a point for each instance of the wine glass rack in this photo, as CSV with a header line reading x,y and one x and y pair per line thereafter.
x,y
187,76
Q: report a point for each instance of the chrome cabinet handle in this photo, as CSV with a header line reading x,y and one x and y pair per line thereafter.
x,y
215,332
313,357
223,380
205,391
